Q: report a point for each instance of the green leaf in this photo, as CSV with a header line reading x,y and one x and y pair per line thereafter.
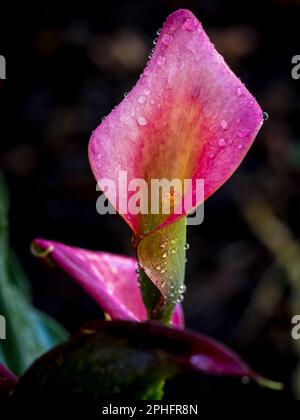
x,y
97,363
29,333
126,360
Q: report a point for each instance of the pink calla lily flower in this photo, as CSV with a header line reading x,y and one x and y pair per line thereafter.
x,y
188,117
111,280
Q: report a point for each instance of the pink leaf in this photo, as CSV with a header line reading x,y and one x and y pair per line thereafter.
x,y
111,280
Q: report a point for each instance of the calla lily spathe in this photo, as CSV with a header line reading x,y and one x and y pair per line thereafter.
x,y
188,117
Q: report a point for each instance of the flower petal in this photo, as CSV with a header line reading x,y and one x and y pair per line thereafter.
x,y
111,280
188,117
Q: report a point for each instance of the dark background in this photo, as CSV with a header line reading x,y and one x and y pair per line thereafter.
x,y
67,66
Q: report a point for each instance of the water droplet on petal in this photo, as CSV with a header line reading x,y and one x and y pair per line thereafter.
x,y
187,246
265,116
224,124
222,143
242,133
173,251
158,31
239,91
182,289
147,91
163,270
125,94
161,60
190,24
180,299
167,39
158,268
142,121
164,255
173,241
163,284
155,41
141,99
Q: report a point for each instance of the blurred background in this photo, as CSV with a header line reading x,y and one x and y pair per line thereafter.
x,y
67,67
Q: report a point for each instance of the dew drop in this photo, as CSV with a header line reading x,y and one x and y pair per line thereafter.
x,y
164,244
141,99
180,299
142,121
158,31
125,94
163,284
147,91
187,246
164,255
173,251
167,39
224,124
173,241
182,289
222,143
155,41
239,91
163,270
265,116
190,24
161,60
158,268
242,133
